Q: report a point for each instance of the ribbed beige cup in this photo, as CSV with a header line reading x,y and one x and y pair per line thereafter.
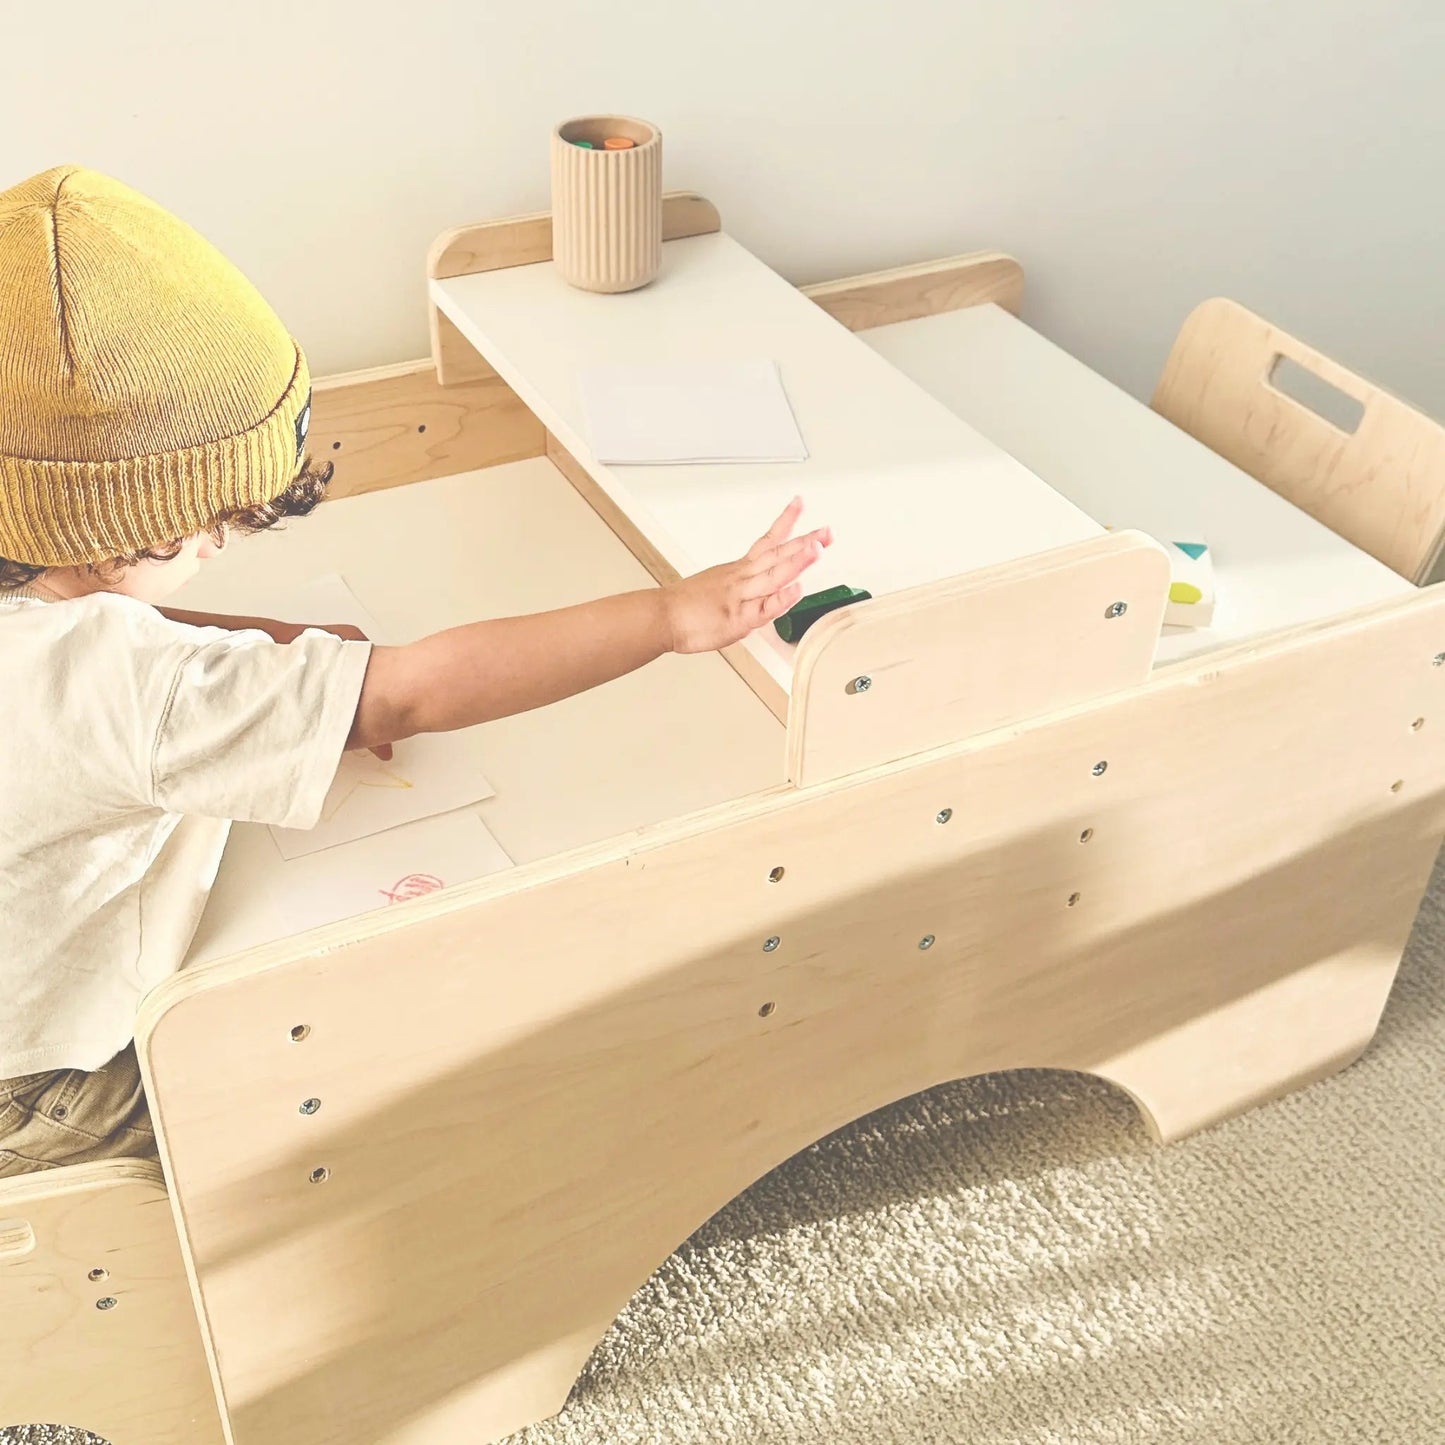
x,y
607,205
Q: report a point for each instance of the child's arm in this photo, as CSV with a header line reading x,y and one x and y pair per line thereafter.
x,y
493,669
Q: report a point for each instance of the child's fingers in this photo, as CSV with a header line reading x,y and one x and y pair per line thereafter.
x,y
810,546
787,563
781,529
780,601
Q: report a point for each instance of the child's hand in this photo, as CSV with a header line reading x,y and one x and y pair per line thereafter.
x,y
719,607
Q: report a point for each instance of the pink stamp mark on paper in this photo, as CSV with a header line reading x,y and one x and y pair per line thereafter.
x,y
414,885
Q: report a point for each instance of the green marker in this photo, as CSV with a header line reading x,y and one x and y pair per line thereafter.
x,y
802,615
585,145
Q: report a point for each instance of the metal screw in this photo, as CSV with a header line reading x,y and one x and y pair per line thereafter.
x,y
1116,609
861,684
1100,768
926,942
1439,659
310,1106
771,944
944,815
108,1303
96,1275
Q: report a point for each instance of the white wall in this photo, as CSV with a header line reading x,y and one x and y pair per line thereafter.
x,y
1137,155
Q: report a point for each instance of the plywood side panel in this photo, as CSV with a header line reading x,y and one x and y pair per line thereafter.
x,y
531,1089
524,240
396,424
921,669
905,293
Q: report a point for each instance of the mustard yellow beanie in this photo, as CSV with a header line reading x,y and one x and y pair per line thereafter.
x,y
145,386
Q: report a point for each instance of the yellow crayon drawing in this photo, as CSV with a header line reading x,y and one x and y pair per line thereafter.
x,y
366,772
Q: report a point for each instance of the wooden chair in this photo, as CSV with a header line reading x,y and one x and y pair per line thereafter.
x,y
97,1330
1378,483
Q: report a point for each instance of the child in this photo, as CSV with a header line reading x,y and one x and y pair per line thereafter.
x,y
150,405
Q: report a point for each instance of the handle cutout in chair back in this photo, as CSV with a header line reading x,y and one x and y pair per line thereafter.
x,y
16,1238
1311,391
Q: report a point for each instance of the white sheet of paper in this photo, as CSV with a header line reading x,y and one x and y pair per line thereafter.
x,y
700,412
428,775
258,898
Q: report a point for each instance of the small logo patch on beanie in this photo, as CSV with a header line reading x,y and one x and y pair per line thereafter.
x,y
303,425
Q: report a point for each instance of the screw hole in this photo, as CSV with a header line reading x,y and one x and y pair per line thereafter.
x,y
336,446
766,1009
1074,898
1417,724
1086,835
96,1275
319,1175
422,427
1100,768
300,1032
309,1106
1397,785
776,876
944,815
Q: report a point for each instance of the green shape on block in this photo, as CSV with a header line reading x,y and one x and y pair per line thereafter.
x,y
1192,549
585,145
805,612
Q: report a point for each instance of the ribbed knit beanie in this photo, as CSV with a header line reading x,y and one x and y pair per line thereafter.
x,y
145,387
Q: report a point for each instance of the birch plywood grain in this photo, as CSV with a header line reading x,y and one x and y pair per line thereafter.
x,y
398,424
906,293
1382,486
133,1372
533,1088
944,663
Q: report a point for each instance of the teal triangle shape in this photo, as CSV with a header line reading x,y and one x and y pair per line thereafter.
x,y
1192,549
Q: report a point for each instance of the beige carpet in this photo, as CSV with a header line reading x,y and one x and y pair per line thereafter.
x,y
1009,1261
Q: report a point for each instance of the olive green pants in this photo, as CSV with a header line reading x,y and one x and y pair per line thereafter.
x,y
72,1116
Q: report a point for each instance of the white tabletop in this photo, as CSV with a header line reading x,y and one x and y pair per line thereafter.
x,y
1127,466
913,492
674,737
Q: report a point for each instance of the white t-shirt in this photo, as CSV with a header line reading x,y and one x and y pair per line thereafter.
x,y
128,744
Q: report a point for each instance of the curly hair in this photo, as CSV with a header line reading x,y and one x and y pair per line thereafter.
x,y
303,495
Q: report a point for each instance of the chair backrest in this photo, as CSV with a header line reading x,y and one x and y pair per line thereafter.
x,y
1379,483
97,1329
